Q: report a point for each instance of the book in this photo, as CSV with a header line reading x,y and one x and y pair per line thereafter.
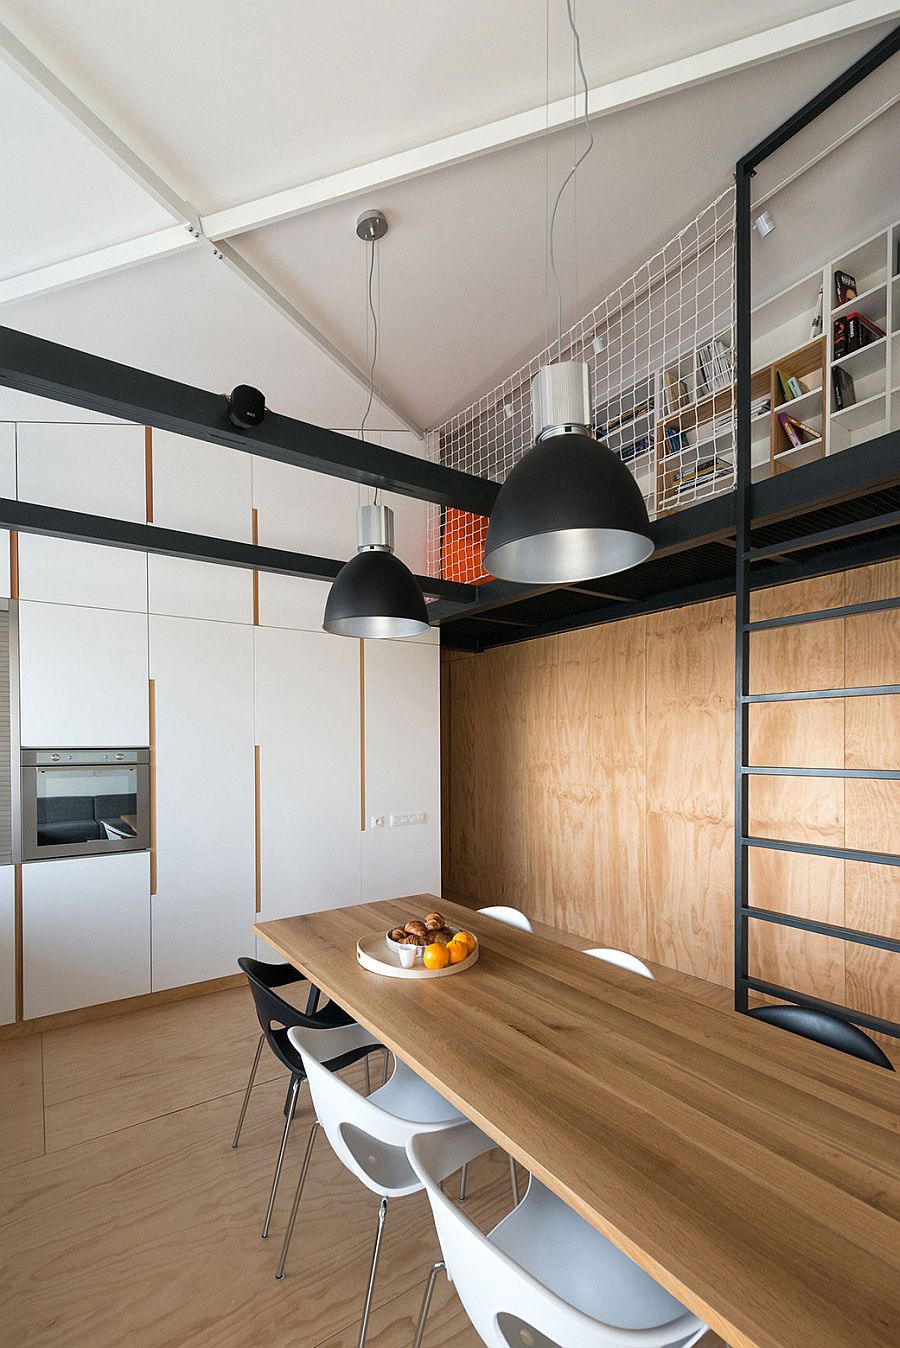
x,y
802,428
852,333
631,451
789,429
791,387
676,440
676,390
844,392
844,287
701,472
815,327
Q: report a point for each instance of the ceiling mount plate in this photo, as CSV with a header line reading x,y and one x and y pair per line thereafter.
x,y
371,225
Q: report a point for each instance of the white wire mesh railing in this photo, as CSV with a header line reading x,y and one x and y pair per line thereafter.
x,y
659,351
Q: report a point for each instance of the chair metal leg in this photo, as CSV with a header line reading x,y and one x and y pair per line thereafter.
x,y
463,1176
514,1182
426,1301
376,1252
279,1272
246,1099
368,1075
289,1116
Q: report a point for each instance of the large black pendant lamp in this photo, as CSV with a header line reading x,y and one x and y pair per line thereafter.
x,y
570,510
374,594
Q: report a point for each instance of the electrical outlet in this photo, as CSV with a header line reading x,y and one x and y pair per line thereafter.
x,y
377,821
399,820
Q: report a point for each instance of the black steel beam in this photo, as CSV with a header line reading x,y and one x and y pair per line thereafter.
x,y
838,477
69,376
823,614
851,934
27,518
814,850
864,774
822,101
877,1023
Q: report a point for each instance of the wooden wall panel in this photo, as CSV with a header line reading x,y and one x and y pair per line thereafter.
x,y
690,765
590,783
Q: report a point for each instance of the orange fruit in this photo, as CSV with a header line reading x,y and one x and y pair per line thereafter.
x,y
435,957
457,950
468,938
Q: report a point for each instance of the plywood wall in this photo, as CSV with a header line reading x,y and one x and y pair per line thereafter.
x,y
589,781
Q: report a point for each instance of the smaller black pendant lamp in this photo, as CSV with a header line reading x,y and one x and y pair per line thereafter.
x,y
374,594
570,510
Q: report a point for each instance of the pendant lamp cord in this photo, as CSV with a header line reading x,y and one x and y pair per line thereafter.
x,y
569,176
365,417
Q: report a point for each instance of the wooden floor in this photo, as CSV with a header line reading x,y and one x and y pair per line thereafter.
x,y
126,1218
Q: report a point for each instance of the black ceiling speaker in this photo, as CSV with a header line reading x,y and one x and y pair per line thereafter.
x,y
246,406
570,510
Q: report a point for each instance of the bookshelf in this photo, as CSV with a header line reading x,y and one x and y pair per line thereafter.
x,y
669,424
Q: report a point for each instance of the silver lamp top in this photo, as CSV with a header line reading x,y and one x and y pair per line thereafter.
x,y
374,528
560,397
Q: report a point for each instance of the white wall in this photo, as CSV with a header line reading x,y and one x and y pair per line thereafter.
x,y
97,624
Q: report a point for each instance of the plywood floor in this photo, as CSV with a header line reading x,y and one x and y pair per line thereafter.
x,y
126,1218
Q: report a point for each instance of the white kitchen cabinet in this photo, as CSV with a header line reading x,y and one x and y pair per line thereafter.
x,y
302,512
402,721
203,489
96,468
204,907
7,945
58,571
85,931
8,489
307,727
83,676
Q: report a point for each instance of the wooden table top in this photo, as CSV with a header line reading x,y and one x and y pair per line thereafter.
x,y
754,1174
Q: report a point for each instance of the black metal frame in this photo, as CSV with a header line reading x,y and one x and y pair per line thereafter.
x,y
745,581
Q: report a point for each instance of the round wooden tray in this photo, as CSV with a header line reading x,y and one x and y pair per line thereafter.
x,y
374,954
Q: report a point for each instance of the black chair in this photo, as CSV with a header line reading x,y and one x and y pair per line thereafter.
x,y
276,1017
824,1028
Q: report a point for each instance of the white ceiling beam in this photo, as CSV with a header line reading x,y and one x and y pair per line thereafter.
x,y
273,296
117,257
99,262
616,96
19,58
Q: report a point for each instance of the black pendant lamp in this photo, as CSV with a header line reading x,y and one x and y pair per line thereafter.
x,y
570,510
374,594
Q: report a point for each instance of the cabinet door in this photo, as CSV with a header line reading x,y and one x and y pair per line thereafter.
x,y
83,676
307,726
8,489
204,906
7,945
402,720
303,512
96,468
86,931
203,489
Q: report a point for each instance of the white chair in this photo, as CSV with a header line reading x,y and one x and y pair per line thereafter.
x,y
511,916
622,959
544,1277
367,1133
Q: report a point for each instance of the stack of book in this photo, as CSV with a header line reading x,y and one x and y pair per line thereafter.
x,y
791,387
714,361
682,480
760,406
676,440
853,332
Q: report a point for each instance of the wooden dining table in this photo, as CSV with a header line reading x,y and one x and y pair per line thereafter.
x,y
754,1174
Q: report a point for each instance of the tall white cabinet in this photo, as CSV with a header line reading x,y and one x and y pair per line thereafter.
x,y
203,908
307,728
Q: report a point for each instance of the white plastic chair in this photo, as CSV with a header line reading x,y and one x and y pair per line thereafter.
x,y
511,916
367,1133
622,959
544,1277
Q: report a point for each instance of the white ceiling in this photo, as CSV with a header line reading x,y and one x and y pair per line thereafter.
x,y
227,101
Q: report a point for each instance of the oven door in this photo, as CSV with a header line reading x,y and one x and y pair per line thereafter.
x,y
82,809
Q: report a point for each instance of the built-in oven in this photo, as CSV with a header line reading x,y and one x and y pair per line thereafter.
x,y
81,802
